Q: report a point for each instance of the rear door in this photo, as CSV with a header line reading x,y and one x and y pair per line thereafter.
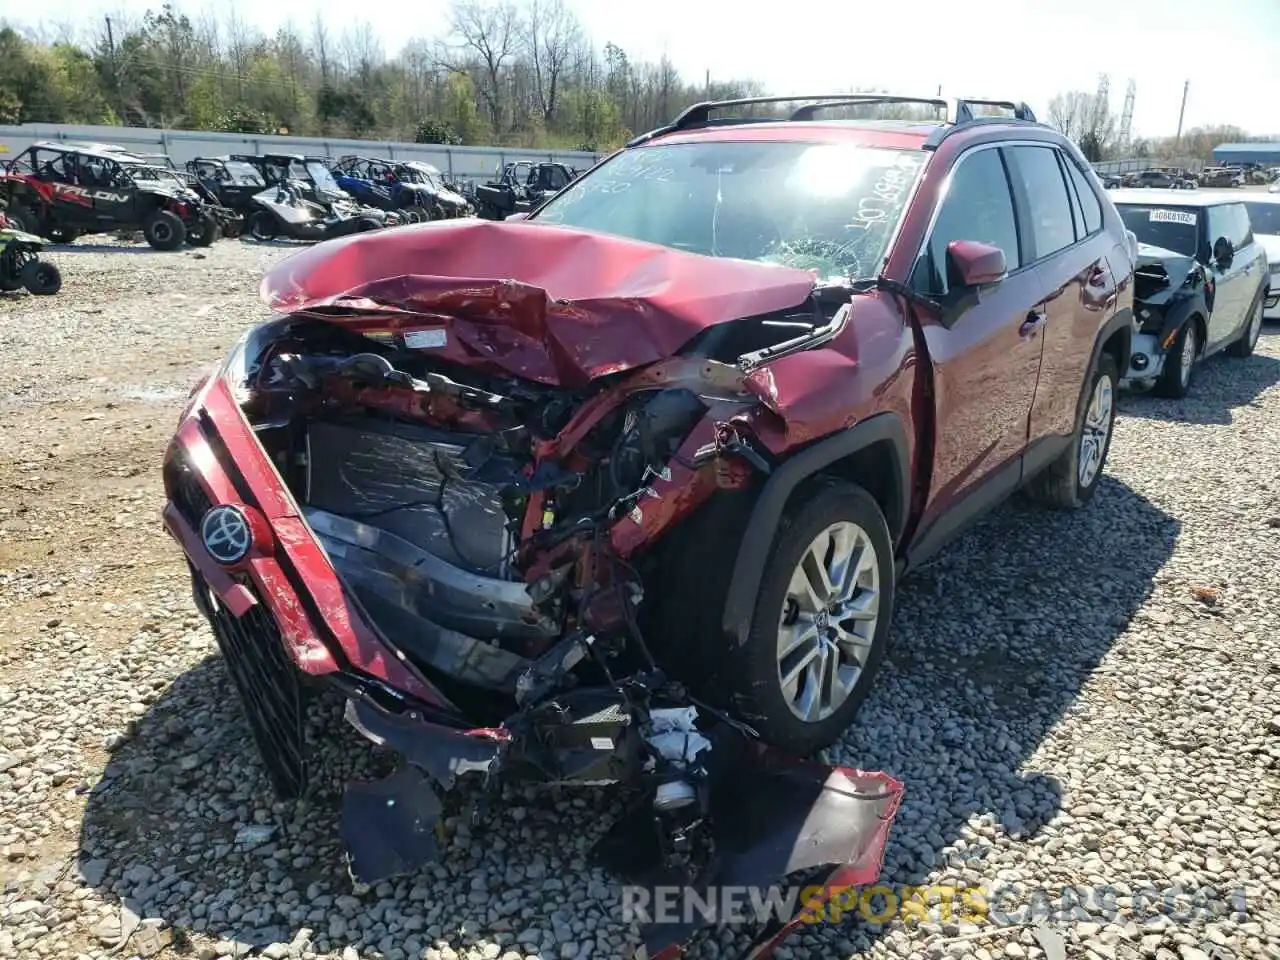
x,y
985,363
1063,218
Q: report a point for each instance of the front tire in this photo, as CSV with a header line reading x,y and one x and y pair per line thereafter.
x,y
821,621
1071,480
41,278
165,231
1179,364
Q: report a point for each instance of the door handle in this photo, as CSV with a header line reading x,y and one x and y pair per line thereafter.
x,y
1031,324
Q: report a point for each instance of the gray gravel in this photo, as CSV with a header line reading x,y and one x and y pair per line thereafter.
x,y
1074,701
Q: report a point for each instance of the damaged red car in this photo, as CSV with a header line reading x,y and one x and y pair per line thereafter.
x,y
620,493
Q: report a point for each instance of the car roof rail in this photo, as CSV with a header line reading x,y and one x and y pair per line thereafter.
x,y
959,111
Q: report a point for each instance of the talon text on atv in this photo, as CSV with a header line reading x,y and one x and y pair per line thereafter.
x,y
60,191
621,493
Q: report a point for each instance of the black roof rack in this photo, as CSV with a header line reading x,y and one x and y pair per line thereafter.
x,y
958,111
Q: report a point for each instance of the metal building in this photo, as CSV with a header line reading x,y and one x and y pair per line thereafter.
x,y
1265,153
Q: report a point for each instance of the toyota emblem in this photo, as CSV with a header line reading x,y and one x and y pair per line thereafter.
x,y
226,534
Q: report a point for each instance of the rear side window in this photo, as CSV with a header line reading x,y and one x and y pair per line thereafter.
x,y
1089,204
1052,227
978,206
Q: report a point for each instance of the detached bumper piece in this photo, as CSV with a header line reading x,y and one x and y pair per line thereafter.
x,y
769,821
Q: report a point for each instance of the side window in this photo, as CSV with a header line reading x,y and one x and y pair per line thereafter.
x,y
1088,199
1221,224
1052,228
1242,233
978,206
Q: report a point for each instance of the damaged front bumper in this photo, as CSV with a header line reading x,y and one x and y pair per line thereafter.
x,y
714,808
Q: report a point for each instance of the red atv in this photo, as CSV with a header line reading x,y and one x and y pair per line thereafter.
x,y
61,191
621,493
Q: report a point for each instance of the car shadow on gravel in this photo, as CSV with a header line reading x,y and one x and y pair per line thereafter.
x,y
994,641
1221,385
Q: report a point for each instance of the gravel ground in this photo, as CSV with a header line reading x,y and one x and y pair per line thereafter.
x,y
1079,701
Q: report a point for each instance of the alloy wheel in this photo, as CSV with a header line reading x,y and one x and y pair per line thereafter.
x,y
1187,358
828,621
1096,431
1255,326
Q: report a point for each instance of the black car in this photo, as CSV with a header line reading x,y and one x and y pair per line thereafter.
x,y
60,191
1200,284
520,187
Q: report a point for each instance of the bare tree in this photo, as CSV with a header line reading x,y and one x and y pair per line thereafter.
x,y
320,44
552,37
490,31
362,49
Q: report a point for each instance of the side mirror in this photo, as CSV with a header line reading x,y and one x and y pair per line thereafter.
x,y
1223,253
971,263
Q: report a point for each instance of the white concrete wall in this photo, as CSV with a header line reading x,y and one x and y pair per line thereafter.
x,y
474,163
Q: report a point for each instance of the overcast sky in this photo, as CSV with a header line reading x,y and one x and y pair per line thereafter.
x,y
1014,49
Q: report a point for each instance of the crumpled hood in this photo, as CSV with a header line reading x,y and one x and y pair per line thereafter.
x,y
1160,273
547,303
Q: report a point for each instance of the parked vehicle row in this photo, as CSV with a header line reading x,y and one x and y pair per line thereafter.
x,y
60,191
63,190
1178,178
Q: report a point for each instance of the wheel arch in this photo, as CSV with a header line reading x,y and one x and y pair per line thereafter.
x,y
872,453
1115,338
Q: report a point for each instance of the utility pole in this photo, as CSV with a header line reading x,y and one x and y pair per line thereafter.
x,y
1182,112
115,74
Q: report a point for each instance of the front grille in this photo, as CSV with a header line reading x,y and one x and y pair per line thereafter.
x,y
269,685
186,494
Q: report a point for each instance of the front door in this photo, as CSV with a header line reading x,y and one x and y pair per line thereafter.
x,y
1232,288
986,363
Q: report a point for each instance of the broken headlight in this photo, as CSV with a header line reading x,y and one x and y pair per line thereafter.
x,y
653,427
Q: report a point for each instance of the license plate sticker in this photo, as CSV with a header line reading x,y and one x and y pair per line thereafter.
x,y
426,339
1173,216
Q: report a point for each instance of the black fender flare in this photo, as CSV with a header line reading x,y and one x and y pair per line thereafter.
x,y
766,514
1173,319
1122,319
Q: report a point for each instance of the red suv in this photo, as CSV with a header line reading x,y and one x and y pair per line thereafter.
x,y
536,496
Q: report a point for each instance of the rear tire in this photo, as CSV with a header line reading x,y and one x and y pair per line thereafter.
x,y
24,219
61,234
165,231
262,226
1243,347
205,233
1179,364
1071,480
41,278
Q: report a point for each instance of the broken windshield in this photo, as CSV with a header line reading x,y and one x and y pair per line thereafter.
x,y
830,207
